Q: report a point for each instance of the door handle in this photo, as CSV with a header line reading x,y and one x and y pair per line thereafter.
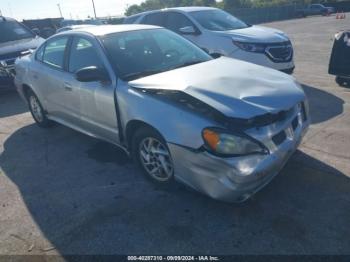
x,y
35,76
68,87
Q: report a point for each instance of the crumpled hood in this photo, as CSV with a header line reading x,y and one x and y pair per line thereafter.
x,y
20,45
257,34
235,88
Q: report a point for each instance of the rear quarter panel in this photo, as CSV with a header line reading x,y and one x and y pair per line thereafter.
x,y
22,68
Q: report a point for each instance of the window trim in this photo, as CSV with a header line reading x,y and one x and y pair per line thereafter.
x,y
43,46
63,69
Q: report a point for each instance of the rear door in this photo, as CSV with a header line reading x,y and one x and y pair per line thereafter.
x,y
52,77
97,106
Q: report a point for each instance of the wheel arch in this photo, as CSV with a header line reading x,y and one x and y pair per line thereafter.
x,y
25,89
131,128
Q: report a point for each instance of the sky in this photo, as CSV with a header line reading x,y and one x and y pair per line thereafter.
x,y
76,9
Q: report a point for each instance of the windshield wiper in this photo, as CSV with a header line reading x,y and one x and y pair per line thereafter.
x,y
136,75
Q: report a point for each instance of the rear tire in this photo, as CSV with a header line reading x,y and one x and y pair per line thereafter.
x,y
37,110
151,153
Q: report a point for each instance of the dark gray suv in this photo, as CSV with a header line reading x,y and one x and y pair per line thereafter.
x,y
15,40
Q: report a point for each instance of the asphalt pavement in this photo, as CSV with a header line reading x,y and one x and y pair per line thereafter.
x,y
62,192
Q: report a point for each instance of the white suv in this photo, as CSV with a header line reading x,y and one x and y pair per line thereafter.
x,y
218,32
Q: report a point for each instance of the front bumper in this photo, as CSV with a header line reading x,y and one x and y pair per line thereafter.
x,y
234,179
263,60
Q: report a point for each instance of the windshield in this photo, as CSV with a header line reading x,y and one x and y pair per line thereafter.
x,y
218,20
136,54
12,31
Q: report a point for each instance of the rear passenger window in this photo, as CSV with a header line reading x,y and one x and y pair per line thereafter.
x,y
55,51
154,19
83,54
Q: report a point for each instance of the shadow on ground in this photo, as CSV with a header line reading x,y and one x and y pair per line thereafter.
x,y
11,104
323,105
85,202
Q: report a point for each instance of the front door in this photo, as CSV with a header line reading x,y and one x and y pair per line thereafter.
x,y
97,105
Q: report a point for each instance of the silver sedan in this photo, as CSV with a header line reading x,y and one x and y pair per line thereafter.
x,y
221,126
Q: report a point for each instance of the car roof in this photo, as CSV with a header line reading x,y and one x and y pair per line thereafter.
x,y
4,19
78,26
186,9
189,9
100,30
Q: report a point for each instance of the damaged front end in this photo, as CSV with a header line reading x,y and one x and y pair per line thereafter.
x,y
235,177
7,68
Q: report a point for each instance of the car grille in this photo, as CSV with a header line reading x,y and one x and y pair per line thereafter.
x,y
279,138
7,62
295,123
280,52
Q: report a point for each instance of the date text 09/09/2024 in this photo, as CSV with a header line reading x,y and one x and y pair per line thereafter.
x,y
173,258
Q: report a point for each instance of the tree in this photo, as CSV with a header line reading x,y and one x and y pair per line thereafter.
x,y
132,10
230,4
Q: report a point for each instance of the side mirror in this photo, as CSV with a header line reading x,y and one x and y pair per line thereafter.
x,y
91,74
205,50
36,31
215,55
188,30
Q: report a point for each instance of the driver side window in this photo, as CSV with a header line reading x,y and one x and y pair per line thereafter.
x,y
83,54
176,21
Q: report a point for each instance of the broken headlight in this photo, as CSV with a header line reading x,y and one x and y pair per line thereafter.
x,y
224,143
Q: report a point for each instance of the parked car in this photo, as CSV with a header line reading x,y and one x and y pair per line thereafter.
x,y
43,27
70,22
221,33
316,9
71,27
339,64
221,126
15,40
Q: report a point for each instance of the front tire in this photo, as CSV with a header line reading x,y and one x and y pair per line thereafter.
x,y
37,110
152,155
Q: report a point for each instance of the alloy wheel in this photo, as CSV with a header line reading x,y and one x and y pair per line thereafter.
x,y
36,109
156,159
